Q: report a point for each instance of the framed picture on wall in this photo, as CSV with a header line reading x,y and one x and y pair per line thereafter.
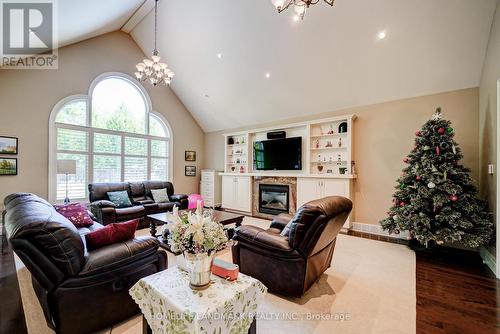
x,y
190,171
9,145
190,155
8,166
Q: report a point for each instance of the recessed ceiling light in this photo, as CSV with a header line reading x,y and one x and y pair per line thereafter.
x,y
268,75
382,35
219,55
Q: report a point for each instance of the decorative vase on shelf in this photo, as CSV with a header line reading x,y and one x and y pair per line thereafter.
x,y
199,266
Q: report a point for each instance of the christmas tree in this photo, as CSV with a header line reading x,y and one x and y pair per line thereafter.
x,y
436,199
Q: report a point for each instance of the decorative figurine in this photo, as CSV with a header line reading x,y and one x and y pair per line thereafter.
x,y
340,142
329,144
317,143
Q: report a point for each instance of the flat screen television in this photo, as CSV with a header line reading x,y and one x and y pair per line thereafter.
x,y
278,154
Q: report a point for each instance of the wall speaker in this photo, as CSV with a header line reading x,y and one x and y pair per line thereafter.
x,y
276,135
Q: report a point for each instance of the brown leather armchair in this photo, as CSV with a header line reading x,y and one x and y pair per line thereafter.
x,y
80,291
289,265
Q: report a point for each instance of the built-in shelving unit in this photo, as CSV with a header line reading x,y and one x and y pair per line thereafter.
x,y
326,148
331,146
236,153
327,163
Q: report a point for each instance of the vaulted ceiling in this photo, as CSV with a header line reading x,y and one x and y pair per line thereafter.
x,y
329,61
82,19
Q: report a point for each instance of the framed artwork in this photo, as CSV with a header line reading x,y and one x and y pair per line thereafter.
x,y
190,155
190,171
9,145
8,166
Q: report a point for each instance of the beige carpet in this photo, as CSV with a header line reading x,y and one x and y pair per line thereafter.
x,y
370,285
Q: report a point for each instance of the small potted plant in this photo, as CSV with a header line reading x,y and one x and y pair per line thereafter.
x,y
198,237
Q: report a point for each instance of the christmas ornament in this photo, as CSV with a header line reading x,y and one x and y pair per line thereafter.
x,y
437,115
454,149
418,178
431,185
438,150
396,217
449,131
444,145
426,148
402,204
453,198
405,160
441,131
418,133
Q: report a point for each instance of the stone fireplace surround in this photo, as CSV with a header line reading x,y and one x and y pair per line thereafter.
x,y
291,182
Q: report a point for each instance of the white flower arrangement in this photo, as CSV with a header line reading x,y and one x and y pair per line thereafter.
x,y
195,232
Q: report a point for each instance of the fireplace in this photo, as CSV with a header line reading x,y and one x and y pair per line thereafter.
x,y
274,199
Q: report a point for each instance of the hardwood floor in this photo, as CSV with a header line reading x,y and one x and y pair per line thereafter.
x,y
456,293
11,309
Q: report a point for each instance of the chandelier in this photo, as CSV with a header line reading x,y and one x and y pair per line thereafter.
x,y
300,6
151,69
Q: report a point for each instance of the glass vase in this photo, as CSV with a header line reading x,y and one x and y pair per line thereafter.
x,y
199,266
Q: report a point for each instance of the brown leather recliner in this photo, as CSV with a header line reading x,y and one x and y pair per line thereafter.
x,y
289,265
80,291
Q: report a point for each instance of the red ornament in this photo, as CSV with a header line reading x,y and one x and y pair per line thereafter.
x,y
418,133
438,150
418,178
405,160
441,131
402,204
453,198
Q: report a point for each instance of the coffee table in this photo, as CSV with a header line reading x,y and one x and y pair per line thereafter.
x,y
223,217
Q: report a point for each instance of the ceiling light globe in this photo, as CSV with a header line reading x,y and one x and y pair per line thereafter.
x,y
278,4
156,59
148,62
300,10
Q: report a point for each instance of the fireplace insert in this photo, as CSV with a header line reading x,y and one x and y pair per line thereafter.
x,y
274,198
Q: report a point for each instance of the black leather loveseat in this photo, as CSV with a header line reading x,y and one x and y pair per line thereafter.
x,y
80,291
140,196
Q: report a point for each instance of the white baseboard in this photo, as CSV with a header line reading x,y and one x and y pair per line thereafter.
x,y
377,229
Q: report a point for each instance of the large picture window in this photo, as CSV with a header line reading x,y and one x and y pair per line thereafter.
x,y
113,136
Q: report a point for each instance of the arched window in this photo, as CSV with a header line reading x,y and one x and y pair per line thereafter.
x,y
112,134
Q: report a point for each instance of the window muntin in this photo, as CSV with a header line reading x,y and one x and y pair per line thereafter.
x,y
108,155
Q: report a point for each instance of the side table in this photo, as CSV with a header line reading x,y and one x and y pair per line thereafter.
x,y
170,306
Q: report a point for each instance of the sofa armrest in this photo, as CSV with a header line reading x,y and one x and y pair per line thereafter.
x,y
257,236
103,204
178,197
181,199
102,212
119,254
281,220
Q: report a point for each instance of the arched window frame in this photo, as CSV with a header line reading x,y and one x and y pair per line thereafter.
x,y
53,126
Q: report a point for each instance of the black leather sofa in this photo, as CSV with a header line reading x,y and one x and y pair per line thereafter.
x,y
80,291
140,197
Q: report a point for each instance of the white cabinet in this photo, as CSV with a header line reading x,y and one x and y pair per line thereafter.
x,y
309,189
237,193
210,188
